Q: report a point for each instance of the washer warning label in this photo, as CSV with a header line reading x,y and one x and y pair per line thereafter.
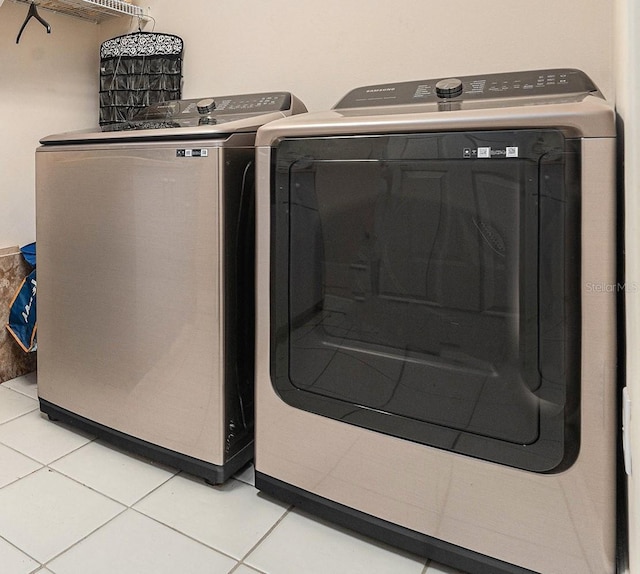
x,y
203,152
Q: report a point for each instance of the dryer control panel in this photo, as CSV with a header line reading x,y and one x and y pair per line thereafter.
x,y
566,82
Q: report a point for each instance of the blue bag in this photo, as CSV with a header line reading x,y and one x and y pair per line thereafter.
x,y
29,253
22,313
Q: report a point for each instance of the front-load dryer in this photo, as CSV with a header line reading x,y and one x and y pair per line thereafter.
x,y
145,235
436,319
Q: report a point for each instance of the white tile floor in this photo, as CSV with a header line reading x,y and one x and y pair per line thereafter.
x,y
70,504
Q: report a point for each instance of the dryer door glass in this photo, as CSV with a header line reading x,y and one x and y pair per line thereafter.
x,y
425,287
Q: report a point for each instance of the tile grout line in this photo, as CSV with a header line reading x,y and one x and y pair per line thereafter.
x,y
169,526
14,449
22,552
18,391
124,509
46,465
49,469
240,564
239,561
176,473
126,505
72,430
45,563
25,476
193,539
65,427
18,416
72,479
265,535
175,529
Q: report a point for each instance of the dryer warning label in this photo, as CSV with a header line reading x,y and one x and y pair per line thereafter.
x,y
192,152
511,151
488,152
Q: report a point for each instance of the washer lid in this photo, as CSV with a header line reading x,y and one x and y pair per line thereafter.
x,y
209,117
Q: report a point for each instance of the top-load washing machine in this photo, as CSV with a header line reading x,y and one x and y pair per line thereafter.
x,y
145,237
436,319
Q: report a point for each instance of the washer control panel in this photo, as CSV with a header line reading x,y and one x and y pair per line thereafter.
x,y
204,117
182,111
527,84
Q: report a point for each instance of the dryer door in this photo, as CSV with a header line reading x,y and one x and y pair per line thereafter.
x,y
426,286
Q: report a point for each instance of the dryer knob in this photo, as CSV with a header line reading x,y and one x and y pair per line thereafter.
x,y
205,106
449,88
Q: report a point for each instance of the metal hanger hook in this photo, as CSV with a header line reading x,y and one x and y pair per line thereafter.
x,y
33,13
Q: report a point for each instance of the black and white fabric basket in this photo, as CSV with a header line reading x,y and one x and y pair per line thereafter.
x,y
137,70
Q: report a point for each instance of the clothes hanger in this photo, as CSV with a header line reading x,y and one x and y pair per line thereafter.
x,y
33,13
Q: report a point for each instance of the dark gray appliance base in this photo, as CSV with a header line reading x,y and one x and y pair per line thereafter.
x,y
398,536
211,473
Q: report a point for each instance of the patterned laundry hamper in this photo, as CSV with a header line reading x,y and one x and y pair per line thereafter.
x,y
137,70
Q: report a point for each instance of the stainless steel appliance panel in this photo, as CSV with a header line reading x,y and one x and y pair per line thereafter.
x,y
477,515
130,277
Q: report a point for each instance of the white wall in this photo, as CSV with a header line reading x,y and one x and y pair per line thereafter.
x,y
320,49
628,105
48,83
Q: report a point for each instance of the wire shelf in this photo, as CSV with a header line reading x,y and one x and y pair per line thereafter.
x,y
92,10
